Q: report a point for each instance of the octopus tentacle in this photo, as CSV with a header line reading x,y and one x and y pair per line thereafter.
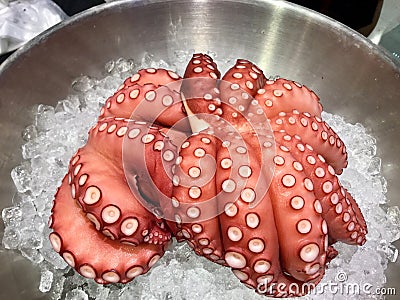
x,y
202,66
230,98
283,95
238,87
236,183
359,216
194,202
302,235
100,258
316,133
200,85
132,103
250,239
247,75
344,223
101,188
258,244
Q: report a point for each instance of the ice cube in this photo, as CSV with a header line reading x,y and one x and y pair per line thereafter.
x,y
393,226
70,105
11,215
46,280
83,84
53,258
181,55
393,213
109,66
29,133
76,294
123,65
199,278
374,166
45,117
103,294
147,60
11,238
389,251
98,291
32,254
21,176
31,239
109,85
57,287
160,64
392,253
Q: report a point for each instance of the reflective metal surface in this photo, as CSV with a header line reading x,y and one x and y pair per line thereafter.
x,y
351,75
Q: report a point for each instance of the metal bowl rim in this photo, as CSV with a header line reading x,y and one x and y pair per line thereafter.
x,y
340,27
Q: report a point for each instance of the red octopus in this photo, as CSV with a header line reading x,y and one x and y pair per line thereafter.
x,y
241,167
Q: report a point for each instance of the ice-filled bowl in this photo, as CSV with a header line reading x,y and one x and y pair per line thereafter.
x,y
353,77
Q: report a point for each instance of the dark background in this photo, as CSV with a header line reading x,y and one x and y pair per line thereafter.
x,y
361,15
354,13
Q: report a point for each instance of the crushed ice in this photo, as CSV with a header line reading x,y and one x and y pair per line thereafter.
x,y
58,131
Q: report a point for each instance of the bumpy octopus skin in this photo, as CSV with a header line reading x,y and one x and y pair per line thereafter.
x,y
242,168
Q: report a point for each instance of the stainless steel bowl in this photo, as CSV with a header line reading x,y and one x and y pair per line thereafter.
x,y
353,77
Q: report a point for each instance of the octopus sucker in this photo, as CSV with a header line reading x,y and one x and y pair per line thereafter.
x,y
242,168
